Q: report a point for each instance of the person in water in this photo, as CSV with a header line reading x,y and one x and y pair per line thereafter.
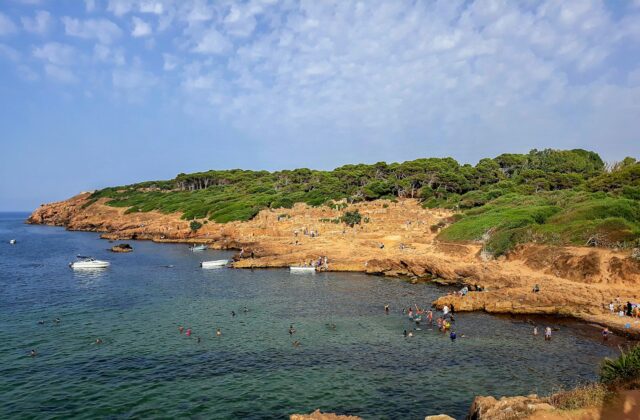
x,y
296,343
535,330
245,310
410,334
404,333
605,334
547,334
188,334
386,308
291,330
198,339
181,329
452,336
98,341
41,322
218,332
430,317
33,353
233,313
57,320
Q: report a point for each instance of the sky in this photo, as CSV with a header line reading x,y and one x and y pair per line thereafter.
x,y
100,93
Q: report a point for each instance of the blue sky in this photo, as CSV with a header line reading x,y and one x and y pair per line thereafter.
x,y
99,93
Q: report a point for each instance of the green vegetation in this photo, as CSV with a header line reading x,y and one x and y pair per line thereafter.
x,y
195,225
550,196
351,218
623,370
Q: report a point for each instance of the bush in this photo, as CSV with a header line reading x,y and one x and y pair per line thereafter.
x,y
589,395
195,225
351,218
624,369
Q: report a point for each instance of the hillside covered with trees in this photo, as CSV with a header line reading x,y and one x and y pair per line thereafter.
x,y
550,196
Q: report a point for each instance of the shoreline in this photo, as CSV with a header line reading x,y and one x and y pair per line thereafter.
x,y
576,283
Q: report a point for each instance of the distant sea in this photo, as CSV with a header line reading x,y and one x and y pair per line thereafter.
x,y
353,359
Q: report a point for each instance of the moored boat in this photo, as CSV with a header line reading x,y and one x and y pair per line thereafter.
x,y
302,269
198,247
88,263
12,242
214,263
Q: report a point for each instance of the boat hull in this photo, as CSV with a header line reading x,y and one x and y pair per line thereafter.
x,y
214,264
83,265
295,269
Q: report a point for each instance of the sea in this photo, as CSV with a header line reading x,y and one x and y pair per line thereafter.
x,y
352,357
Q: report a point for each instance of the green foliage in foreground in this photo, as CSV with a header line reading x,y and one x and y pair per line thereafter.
x,y
626,368
556,196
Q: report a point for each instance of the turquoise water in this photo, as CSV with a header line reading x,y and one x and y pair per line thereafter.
x,y
145,368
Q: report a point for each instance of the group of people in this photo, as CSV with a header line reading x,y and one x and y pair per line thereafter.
x,y
547,333
444,322
628,309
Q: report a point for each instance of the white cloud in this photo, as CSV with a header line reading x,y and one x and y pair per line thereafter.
x,y
212,42
151,6
9,53
55,53
120,7
59,74
140,28
102,29
39,24
107,54
170,62
6,25
90,5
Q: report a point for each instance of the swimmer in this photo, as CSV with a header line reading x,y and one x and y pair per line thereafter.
x,y
547,334
57,320
33,353
296,343
292,330
218,332
233,313
452,336
430,317
386,308
605,334
98,341
331,326
188,334
180,329
410,334
198,339
41,322
245,310
404,333
535,330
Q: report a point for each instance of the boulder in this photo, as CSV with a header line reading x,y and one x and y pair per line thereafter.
x,y
122,248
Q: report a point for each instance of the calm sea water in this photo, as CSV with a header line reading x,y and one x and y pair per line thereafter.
x,y
145,368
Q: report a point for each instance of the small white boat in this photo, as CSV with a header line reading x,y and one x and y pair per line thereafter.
x,y
302,269
214,264
198,248
89,263
12,242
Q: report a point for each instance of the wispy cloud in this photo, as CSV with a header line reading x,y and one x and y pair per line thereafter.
x,y
102,29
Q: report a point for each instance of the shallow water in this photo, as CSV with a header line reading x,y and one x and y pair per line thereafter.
x,y
146,368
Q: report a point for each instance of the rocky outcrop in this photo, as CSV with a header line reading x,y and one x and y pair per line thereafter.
x,y
122,248
317,415
506,408
573,281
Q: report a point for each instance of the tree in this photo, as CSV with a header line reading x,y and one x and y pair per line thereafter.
x,y
195,225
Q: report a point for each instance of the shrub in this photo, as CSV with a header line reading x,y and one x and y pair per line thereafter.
x,y
351,218
622,370
589,395
195,225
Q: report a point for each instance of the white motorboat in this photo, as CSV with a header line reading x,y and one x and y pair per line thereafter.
x,y
198,248
302,269
214,264
89,263
12,242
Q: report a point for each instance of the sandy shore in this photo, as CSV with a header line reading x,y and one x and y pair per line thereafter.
x,y
394,239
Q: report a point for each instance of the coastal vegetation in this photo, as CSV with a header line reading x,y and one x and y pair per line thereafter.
x,y
547,196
